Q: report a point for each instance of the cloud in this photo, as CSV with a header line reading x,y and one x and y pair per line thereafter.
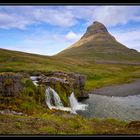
x,y
44,43
82,12
114,15
21,17
66,16
108,15
71,36
129,38
54,17
12,21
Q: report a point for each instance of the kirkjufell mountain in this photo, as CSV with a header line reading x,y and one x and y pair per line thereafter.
x,y
97,44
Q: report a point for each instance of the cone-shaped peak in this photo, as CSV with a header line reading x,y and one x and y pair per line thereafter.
x,y
97,44
95,28
99,26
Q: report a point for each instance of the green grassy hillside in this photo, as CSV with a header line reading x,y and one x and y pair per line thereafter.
x,y
98,75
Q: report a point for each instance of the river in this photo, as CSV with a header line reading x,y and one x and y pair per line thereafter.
x,y
114,102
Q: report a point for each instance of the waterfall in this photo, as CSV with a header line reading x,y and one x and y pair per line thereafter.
x,y
34,80
74,104
51,94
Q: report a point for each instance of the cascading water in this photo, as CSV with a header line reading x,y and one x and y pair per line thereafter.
x,y
51,93
34,79
74,104
57,104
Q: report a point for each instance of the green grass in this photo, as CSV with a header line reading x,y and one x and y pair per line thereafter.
x,y
62,124
98,75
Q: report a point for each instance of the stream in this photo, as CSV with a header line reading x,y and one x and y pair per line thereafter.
x,y
124,108
118,101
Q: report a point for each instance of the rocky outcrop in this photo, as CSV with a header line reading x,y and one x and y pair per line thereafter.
x,y
10,84
64,84
13,84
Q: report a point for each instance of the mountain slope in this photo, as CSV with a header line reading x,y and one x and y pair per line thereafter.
x,y
98,44
21,61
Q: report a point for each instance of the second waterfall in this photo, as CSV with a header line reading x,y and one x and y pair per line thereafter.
x,y
53,101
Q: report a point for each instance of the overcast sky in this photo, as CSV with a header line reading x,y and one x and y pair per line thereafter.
x,y
48,30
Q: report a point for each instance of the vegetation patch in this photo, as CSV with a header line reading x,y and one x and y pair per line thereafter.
x,y
53,124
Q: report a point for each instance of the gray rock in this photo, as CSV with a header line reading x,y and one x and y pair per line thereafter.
x,y
10,84
11,112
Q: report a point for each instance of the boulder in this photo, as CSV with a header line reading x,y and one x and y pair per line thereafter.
x,y
10,84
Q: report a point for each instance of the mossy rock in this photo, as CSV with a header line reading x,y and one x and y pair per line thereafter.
x,y
10,84
64,83
21,94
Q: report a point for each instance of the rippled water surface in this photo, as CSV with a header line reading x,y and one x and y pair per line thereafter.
x,y
124,108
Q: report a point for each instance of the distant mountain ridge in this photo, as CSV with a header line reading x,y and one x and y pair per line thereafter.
x,y
98,44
